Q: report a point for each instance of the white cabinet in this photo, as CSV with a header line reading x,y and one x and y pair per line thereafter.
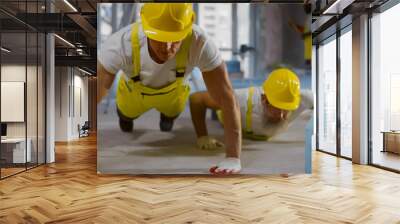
x,y
18,149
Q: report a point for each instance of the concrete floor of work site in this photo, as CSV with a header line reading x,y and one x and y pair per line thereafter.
x,y
149,151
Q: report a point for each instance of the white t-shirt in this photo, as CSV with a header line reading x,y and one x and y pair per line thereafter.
x,y
116,54
260,126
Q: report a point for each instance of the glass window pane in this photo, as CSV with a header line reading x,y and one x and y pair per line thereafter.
x,y
243,13
22,88
216,20
327,97
13,85
346,94
385,89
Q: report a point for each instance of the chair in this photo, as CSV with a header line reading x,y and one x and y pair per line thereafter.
x,y
84,130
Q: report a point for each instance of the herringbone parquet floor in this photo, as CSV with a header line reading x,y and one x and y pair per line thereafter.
x,y
70,191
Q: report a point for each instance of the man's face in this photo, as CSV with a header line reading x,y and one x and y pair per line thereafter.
x,y
273,114
163,51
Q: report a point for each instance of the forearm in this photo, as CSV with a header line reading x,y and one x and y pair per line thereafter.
x,y
105,80
198,113
221,91
232,126
226,101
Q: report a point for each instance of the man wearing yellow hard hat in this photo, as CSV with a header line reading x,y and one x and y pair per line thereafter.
x,y
156,55
265,111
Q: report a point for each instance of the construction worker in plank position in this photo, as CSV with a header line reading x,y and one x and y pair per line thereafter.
x,y
265,111
158,54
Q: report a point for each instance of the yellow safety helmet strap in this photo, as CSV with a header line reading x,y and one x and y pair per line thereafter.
x,y
249,110
135,51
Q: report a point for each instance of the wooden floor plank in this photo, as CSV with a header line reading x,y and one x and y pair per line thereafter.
x,y
71,191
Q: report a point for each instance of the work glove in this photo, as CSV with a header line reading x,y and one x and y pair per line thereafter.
x,y
209,143
229,165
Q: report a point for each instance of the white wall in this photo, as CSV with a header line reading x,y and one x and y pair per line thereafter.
x,y
13,73
70,83
16,73
82,82
61,103
33,126
80,94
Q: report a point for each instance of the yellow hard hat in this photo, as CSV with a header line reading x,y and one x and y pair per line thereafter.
x,y
167,22
282,89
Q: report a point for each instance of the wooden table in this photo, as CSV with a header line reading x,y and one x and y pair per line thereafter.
x,y
391,141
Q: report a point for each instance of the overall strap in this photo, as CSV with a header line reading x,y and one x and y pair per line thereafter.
x,y
249,110
182,56
135,52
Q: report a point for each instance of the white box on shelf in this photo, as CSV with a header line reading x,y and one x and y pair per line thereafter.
x,y
19,155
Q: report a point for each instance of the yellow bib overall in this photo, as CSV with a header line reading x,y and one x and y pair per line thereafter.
x,y
133,98
247,130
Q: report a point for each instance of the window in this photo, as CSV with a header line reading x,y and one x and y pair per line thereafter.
x,y
22,66
243,13
334,106
385,89
346,94
218,25
327,97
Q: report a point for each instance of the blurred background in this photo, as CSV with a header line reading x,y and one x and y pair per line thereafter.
x,y
253,38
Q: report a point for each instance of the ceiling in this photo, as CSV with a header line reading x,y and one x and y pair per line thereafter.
x,y
77,25
330,16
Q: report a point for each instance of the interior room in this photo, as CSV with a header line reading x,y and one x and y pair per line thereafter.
x,y
148,150
51,120
22,99
385,87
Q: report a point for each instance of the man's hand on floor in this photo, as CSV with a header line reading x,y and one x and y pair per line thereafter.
x,y
209,143
228,166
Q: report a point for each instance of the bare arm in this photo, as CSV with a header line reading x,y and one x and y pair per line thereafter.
x,y
105,80
221,91
199,102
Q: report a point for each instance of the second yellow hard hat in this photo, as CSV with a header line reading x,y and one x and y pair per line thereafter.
x,y
282,89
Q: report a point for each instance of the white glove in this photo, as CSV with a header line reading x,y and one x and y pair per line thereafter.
x,y
229,165
209,143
